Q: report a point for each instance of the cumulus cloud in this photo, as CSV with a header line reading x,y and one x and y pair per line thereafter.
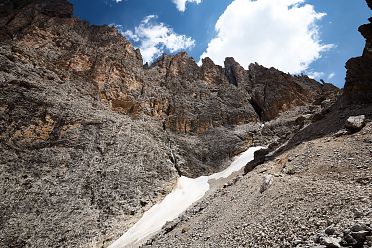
x,y
153,39
279,33
181,4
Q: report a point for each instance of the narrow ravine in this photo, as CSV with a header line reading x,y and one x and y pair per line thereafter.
x,y
186,192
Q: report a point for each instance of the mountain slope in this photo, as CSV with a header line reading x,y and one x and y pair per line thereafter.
x,y
323,184
314,191
90,137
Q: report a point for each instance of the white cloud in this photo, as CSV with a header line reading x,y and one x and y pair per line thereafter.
x,y
320,75
331,75
279,33
181,4
315,75
153,39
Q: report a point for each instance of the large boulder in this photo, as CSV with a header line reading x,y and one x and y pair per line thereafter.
x,y
259,158
355,123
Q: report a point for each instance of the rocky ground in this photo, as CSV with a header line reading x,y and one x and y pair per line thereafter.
x,y
312,189
90,137
317,194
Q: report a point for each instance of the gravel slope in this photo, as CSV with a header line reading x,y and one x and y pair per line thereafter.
x,y
319,183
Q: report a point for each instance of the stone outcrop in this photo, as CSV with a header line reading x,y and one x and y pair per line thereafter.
x,y
73,172
358,86
185,97
18,14
355,123
274,92
90,137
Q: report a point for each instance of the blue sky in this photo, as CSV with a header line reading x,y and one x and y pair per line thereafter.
x,y
313,37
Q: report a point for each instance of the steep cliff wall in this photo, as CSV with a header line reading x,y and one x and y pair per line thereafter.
x,y
89,137
73,172
358,87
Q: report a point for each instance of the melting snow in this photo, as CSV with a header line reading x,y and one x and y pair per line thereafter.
x,y
186,192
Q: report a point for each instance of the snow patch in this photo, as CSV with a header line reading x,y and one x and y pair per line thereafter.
x,y
186,192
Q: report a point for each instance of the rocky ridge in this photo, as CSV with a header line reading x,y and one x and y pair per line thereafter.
x,y
313,191
358,87
91,137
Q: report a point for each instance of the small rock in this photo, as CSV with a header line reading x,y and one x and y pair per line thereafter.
x,y
321,223
330,230
360,236
266,183
263,170
350,240
296,242
357,227
341,133
369,239
330,242
144,203
355,123
357,214
227,184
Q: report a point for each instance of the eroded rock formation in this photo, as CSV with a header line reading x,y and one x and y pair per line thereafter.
x,y
358,87
89,137
72,171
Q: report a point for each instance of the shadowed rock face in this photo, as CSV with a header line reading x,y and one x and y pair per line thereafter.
x,y
89,136
369,2
358,87
18,14
274,92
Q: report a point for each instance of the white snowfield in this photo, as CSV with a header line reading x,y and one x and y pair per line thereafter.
x,y
186,192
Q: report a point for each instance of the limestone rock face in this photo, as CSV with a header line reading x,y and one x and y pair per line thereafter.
x,y
89,135
74,173
185,97
18,14
195,99
274,92
358,86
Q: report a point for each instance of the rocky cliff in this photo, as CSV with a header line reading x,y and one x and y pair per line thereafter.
x,y
358,87
313,191
90,137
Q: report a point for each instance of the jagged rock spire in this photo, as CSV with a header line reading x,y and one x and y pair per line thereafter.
x,y
358,86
